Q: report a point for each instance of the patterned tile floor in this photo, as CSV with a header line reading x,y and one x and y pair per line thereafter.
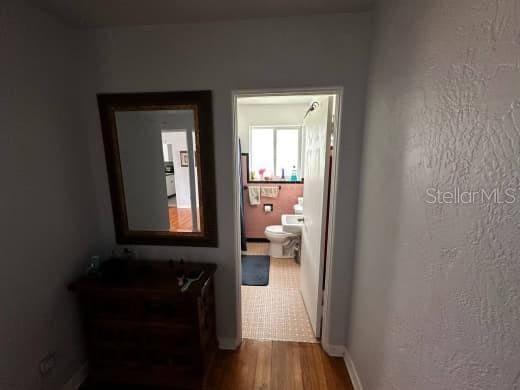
x,y
276,311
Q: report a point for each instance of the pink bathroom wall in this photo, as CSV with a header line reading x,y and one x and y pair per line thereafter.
x,y
256,220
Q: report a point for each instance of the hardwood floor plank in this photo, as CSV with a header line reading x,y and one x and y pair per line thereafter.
x,y
272,365
296,369
180,219
249,362
313,373
286,371
240,370
216,375
263,366
335,372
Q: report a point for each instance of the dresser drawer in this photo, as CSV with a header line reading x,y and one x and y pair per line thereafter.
x,y
133,356
120,334
164,309
180,376
144,330
110,305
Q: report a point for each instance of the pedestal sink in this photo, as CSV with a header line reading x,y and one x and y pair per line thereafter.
x,y
292,223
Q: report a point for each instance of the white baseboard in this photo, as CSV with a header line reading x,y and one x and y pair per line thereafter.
x,y
333,350
351,368
228,343
77,379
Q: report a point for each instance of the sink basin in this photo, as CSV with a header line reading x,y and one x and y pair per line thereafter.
x,y
292,223
298,209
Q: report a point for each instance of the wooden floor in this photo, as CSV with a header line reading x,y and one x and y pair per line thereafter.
x,y
278,365
269,365
180,219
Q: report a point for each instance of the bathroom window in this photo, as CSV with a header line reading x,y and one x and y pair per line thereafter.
x,y
274,151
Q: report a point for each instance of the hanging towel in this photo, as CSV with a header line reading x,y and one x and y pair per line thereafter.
x,y
254,195
269,191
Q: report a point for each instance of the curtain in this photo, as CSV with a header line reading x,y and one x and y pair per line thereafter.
x,y
242,221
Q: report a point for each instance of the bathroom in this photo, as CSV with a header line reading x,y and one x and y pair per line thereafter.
x,y
286,148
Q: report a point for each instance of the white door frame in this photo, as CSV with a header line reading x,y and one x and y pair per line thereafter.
x,y
330,260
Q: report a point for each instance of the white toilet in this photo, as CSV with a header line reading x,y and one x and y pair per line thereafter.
x,y
277,238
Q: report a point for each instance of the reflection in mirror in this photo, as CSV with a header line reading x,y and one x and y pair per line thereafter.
x,y
158,155
161,167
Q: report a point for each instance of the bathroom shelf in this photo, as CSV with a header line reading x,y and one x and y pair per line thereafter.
x,y
247,187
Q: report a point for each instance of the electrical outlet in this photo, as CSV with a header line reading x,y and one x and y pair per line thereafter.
x,y
47,364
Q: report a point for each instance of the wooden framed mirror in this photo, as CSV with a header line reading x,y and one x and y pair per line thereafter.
x,y
160,162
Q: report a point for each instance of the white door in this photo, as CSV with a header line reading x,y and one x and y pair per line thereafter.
x,y
316,128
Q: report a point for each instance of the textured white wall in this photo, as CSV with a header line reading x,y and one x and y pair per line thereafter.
x,y
436,299
296,52
48,225
179,143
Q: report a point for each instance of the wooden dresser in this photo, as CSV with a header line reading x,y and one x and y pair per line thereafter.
x,y
141,329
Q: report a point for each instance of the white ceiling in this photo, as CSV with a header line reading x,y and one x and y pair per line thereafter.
x,y
107,13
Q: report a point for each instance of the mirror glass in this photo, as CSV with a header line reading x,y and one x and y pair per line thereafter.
x,y
160,169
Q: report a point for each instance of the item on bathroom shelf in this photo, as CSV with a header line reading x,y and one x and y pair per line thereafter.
x,y
261,172
283,174
294,174
254,195
269,191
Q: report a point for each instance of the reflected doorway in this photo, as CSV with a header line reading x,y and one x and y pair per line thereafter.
x,y
179,153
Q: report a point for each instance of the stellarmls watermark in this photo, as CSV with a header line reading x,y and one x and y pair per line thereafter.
x,y
481,196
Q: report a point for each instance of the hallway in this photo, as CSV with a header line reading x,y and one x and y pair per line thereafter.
x,y
270,365
275,365
275,311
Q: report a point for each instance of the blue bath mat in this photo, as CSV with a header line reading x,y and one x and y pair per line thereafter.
x,y
255,270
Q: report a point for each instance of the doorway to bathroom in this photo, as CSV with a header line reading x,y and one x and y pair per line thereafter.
x,y
285,153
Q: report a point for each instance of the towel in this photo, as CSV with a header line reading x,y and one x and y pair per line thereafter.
x,y
254,195
270,191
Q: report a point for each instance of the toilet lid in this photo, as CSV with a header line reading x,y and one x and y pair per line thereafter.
x,y
277,229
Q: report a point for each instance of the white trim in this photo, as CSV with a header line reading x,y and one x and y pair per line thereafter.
x,y
329,261
334,350
228,343
237,227
287,91
338,92
77,379
352,372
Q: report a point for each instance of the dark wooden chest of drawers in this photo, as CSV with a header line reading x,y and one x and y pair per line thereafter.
x,y
142,329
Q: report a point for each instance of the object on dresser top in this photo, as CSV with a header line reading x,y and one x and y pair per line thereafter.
x,y
144,330
269,191
114,269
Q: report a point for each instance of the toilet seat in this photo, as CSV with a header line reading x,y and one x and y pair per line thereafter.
x,y
277,230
